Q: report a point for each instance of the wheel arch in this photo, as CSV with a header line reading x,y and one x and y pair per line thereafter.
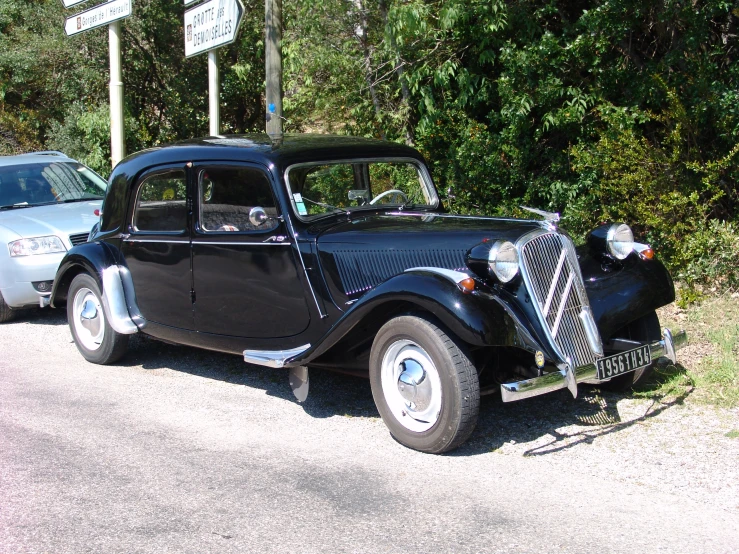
x,y
118,296
88,258
476,319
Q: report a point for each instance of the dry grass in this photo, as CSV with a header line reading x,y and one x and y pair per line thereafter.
x,y
710,363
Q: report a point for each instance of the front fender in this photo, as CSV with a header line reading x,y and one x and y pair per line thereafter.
x,y
479,318
627,293
118,297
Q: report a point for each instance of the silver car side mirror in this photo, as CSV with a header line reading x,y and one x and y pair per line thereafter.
x,y
257,216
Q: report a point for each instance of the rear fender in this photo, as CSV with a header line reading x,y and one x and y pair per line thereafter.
x,y
118,296
479,318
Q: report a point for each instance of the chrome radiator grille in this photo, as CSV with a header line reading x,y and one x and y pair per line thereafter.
x,y
552,275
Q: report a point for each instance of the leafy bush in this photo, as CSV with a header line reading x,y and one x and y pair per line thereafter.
x,y
85,136
709,261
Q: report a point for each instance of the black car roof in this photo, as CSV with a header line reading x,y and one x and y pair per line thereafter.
x,y
292,148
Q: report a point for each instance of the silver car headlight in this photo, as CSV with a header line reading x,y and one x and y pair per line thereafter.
x,y
503,260
620,240
36,245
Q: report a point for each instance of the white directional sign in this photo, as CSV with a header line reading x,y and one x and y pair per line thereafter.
x,y
70,3
212,24
98,16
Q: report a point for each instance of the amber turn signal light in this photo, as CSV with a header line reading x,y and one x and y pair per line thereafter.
x,y
647,254
467,285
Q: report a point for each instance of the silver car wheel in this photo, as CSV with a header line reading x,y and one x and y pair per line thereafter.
x,y
88,319
411,386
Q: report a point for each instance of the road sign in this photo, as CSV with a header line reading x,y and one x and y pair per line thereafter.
x,y
70,3
98,16
187,2
212,24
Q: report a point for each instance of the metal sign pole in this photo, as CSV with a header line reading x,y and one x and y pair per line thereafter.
x,y
117,143
111,13
209,26
214,93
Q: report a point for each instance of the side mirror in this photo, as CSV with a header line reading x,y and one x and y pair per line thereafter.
x,y
361,195
257,216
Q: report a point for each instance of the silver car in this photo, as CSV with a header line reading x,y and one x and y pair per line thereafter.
x,y
48,203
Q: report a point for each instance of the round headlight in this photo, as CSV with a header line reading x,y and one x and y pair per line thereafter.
x,y
620,240
503,260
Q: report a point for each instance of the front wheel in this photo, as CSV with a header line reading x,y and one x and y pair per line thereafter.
x,y
424,384
96,340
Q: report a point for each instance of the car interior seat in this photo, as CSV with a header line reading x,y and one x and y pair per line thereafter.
x,y
11,193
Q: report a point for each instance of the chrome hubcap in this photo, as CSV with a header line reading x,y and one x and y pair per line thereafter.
x,y
411,385
88,319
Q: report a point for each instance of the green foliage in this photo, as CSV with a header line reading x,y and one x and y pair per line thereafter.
x,y
596,109
708,260
85,136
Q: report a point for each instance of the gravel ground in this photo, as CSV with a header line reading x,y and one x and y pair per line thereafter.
x,y
181,450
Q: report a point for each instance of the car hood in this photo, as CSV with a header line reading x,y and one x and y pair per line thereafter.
x,y
54,219
425,229
360,253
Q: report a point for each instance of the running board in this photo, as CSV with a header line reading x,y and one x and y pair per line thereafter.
x,y
273,358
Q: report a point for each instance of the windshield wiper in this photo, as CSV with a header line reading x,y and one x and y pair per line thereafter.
x,y
329,206
70,200
16,206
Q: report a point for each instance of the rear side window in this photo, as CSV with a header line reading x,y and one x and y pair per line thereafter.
x,y
161,203
229,195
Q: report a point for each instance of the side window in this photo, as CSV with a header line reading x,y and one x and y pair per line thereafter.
x,y
160,203
236,199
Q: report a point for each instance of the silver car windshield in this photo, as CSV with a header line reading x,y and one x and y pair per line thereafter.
x,y
48,183
343,186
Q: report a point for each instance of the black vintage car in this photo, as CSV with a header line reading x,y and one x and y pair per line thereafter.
x,y
335,252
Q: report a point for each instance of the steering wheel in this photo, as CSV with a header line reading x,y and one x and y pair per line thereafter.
x,y
388,193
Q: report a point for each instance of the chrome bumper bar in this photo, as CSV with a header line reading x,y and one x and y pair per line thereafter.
x,y
563,378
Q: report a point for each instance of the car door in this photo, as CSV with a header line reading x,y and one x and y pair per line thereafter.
x,y
157,247
245,273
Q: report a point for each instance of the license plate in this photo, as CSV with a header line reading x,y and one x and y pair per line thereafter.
x,y
623,362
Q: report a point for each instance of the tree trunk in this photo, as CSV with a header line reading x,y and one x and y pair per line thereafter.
x,y
360,31
410,118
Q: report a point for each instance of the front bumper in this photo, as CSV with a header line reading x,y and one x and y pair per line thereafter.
x,y
565,378
20,273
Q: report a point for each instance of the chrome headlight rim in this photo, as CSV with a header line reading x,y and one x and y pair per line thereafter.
x,y
620,241
504,261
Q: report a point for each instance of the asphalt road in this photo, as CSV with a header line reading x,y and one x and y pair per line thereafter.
x,y
180,450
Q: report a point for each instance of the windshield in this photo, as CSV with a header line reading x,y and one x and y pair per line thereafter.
x,y
48,183
322,188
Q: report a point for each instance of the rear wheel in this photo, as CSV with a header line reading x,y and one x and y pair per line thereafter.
x,y
96,340
644,329
6,313
424,384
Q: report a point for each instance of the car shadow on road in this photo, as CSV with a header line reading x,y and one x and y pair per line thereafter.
x,y
330,394
39,316
566,422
